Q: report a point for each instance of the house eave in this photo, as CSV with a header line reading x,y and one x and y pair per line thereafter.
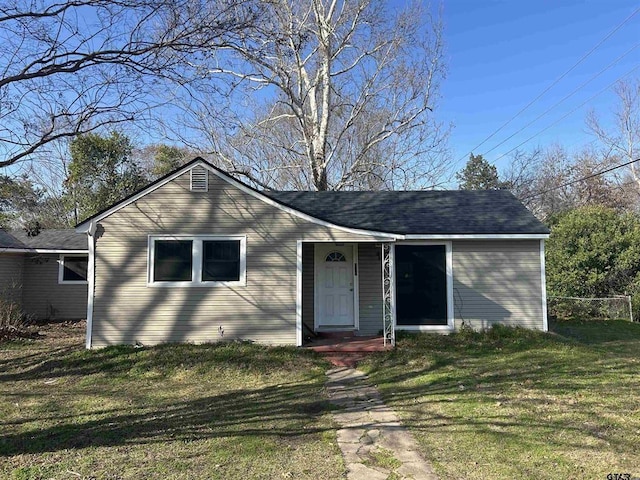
x,y
43,250
477,236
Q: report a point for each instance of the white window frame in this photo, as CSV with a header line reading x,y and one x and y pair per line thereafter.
x,y
196,264
450,326
61,259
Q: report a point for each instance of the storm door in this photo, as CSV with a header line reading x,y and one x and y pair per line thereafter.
x,y
421,285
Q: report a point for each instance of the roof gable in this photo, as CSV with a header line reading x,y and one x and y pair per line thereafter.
x,y
392,214
85,225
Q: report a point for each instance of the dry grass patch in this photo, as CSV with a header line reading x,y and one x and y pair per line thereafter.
x,y
173,411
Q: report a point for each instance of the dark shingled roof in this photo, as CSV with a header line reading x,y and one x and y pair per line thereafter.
x,y
422,212
54,239
452,212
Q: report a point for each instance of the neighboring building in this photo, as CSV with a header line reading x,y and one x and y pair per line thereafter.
x,y
198,256
46,275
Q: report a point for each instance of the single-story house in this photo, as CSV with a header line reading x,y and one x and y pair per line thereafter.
x,y
199,256
45,274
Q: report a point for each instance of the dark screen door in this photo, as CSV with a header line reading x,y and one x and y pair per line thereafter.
x,y
421,285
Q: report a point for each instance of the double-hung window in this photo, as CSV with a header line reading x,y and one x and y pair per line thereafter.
x,y
173,261
197,261
220,260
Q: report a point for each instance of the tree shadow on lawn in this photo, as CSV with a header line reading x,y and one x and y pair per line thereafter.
x,y
529,413
506,355
484,376
131,362
33,358
599,333
289,410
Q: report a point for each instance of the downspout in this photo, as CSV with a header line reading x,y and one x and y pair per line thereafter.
x,y
91,280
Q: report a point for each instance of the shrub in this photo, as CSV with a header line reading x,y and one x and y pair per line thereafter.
x,y
13,320
594,252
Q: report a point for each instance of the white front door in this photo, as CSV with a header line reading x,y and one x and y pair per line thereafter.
x,y
334,286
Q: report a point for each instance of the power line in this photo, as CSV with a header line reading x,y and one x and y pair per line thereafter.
x,y
554,83
582,179
567,114
565,98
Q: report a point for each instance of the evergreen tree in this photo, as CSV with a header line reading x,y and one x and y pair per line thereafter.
x,y
478,174
101,172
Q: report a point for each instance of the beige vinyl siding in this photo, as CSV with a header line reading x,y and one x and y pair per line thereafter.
x,y
370,289
44,297
127,310
497,281
11,267
308,287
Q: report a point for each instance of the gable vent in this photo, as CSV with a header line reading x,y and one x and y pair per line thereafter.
x,y
199,179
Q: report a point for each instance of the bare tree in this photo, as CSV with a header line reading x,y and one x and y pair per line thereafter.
x,y
71,67
623,139
335,95
552,181
520,176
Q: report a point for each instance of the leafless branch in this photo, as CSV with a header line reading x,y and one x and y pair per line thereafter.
x,y
347,95
68,68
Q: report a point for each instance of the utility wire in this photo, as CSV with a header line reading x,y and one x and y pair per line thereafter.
x,y
582,179
565,98
554,83
568,113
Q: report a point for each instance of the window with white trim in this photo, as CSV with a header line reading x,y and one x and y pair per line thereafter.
x,y
220,260
173,261
73,269
197,261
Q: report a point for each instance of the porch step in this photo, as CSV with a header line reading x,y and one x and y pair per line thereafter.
x,y
336,334
346,352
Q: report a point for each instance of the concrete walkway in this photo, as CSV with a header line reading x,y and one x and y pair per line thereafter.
x,y
374,443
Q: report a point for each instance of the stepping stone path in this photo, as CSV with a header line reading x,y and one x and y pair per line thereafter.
x,y
374,443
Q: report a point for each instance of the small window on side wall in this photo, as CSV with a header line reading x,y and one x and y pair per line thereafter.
x,y
73,269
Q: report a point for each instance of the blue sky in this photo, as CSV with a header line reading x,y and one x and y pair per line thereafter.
x,y
503,53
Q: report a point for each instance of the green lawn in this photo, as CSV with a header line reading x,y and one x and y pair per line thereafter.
x,y
180,411
511,403
502,404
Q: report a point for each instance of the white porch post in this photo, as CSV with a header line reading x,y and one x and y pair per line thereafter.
x,y
388,294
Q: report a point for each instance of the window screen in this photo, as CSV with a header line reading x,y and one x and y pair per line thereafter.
x,y
74,269
221,260
172,261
